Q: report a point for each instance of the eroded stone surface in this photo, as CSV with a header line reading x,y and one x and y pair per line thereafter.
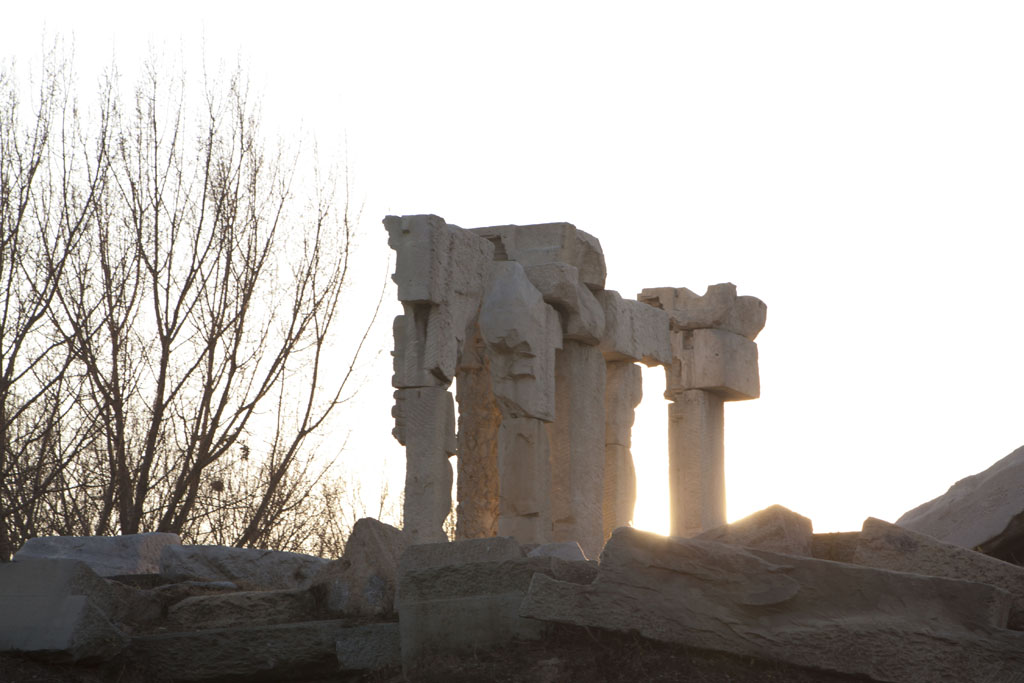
x,y
718,361
364,580
696,444
634,331
549,243
718,307
623,391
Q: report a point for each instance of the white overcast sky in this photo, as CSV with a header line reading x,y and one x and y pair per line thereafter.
x,y
859,166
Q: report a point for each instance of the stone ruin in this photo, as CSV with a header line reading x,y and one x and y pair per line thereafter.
x,y
544,362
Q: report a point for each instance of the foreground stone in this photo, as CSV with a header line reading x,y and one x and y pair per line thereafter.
x,y
983,511
776,529
888,546
364,580
280,652
369,647
105,555
57,608
250,568
886,625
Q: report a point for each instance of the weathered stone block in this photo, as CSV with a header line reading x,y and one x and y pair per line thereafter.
x,y
57,608
249,568
634,331
524,470
301,651
244,608
430,555
364,580
776,529
623,391
479,422
888,626
522,333
558,283
716,361
718,307
105,555
549,243
570,551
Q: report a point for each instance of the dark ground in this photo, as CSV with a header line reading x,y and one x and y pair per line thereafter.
x,y
569,654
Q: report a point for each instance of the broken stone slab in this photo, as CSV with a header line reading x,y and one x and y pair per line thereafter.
x,y
984,511
297,651
776,529
244,608
889,626
718,308
57,608
559,284
714,360
522,333
634,331
549,243
363,581
888,546
462,607
105,555
570,551
369,647
249,568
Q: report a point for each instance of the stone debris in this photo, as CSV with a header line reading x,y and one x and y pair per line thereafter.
x,y
248,567
984,511
105,555
570,551
369,647
541,355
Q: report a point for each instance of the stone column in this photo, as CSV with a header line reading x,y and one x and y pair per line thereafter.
x,y
623,391
714,359
577,447
696,449
522,334
425,425
440,271
479,421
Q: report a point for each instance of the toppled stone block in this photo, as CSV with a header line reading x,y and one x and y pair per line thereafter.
x,y
714,360
249,568
57,608
718,308
984,511
889,626
369,647
776,529
634,331
549,243
363,581
560,286
430,555
105,555
245,608
301,651
888,546
462,607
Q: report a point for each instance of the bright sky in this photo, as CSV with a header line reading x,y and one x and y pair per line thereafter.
x,y
857,166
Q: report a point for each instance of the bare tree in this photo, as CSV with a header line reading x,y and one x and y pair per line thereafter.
x,y
174,336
